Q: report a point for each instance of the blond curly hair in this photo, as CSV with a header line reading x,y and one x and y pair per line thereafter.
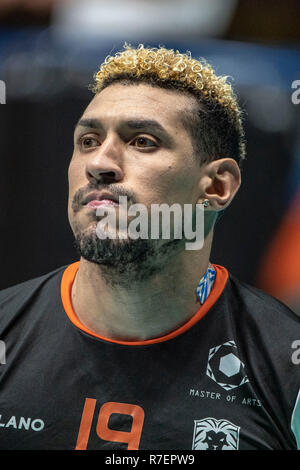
x,y
216,127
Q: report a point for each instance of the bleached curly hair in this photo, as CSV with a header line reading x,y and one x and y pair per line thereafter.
x,y
216,127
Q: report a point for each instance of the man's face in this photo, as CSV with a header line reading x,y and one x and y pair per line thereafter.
x,y
130,141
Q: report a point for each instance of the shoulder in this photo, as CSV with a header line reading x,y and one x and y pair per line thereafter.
x,y
257,304
30,284
15,298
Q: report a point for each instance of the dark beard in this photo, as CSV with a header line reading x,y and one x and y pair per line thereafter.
x,y
125,261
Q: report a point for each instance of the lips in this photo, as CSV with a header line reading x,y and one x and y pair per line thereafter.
x,y
104,202
97,199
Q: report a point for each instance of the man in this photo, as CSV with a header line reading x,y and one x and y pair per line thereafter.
x,y
143,343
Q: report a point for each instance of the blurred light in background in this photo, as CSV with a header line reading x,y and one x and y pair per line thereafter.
x,y
130,20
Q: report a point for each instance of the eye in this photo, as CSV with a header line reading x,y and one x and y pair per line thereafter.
x,y
144,142
87,142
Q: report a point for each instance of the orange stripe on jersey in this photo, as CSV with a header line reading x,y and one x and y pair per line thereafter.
x,y
66,289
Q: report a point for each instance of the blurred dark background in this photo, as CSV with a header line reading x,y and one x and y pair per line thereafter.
x,y
49,51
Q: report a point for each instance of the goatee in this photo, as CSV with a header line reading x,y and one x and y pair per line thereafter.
x,y
125,261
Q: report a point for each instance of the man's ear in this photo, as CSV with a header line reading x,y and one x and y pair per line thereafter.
x,y
219,183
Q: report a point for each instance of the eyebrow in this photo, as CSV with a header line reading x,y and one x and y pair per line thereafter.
x,y
89,123
133,124
145,124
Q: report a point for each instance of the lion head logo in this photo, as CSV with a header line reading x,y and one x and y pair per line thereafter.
x,y
214,434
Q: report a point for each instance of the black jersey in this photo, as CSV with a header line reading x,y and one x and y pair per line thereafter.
x,y
227,379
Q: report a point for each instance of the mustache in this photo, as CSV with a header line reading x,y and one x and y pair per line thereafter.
x,y
116,191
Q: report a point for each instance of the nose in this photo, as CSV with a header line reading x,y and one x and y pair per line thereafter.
x,y
105,164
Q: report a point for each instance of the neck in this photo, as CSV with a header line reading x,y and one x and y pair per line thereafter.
x,y
140,310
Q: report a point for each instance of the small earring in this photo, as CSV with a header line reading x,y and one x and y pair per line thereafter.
x,y
205,203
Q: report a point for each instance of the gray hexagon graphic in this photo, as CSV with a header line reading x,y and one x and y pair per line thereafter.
x,y
229,365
